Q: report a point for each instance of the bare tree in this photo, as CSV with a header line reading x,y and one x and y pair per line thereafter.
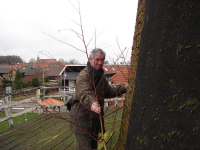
x,y
32,60
61,60
74,61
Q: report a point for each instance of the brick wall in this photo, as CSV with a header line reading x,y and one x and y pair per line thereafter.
x,y
28,78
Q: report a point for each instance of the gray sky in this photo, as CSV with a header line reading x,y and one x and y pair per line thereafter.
x,y
29,28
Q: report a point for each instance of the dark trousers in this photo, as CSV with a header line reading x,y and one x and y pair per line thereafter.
x,y
86,142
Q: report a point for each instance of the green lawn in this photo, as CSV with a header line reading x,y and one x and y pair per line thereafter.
x,y
19,119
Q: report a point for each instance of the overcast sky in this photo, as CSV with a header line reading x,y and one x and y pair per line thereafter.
x,y
32,28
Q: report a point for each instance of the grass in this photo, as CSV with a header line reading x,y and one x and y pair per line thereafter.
x,y
19,119
112,125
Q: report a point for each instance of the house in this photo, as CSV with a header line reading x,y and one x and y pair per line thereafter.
x,y
30,73
23,69
110,70
1,81
54,73
71,73
7,73
120,77
47,61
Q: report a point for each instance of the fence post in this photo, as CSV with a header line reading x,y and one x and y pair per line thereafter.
x,y
25,113
7,111
39,100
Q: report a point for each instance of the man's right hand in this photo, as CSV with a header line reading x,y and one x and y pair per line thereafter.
x,y
95,107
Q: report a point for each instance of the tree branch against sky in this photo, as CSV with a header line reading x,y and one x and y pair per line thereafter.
x,y
26,37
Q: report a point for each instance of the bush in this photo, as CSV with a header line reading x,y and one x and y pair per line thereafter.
x,y
30,83
46,79
25,84
35,82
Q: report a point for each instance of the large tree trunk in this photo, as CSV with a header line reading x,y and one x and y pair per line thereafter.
x,y
165,111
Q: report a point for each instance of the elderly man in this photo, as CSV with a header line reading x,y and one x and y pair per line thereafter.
x,y
91,86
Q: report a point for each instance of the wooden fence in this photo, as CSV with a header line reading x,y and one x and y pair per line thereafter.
x,y
8,105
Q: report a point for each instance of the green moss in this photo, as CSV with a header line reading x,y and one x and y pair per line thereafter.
x,y
164,137
175,97
156,119
172,134
195,129
191,104
189,46
179,135
182,107
149,43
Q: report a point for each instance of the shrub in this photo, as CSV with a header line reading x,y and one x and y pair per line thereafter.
x,y
25,84
35,82
46,79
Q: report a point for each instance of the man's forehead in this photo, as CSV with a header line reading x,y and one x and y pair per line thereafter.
x,y
102,56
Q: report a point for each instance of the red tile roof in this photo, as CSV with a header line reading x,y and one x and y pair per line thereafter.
x,y
108,69
46,60
22,65
120,77
50,101
40,65
13,67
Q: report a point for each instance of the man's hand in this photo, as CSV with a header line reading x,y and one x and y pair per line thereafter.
x,y
95,107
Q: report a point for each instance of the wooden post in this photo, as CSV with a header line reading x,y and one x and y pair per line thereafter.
x,y
7,111
59,108
39,100
25,113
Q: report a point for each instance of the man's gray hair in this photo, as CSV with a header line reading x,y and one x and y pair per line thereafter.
x,y
96,51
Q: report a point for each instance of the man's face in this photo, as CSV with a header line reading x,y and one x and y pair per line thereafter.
x,y
97,62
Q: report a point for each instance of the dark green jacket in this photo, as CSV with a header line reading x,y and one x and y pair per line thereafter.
x,y
83,120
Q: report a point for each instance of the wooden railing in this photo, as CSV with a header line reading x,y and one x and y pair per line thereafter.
x,y
7,107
